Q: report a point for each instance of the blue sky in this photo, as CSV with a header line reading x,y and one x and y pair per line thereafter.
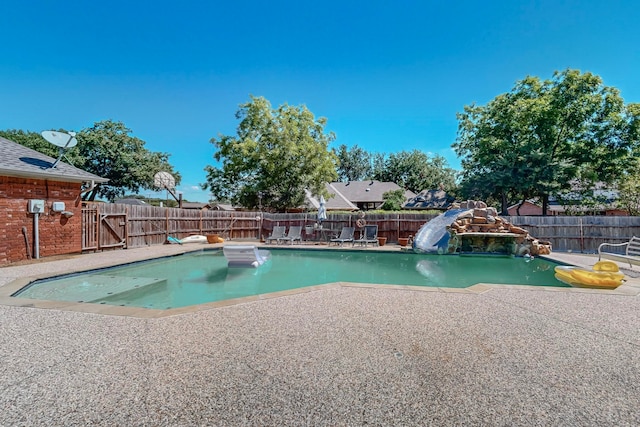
x,y
388,75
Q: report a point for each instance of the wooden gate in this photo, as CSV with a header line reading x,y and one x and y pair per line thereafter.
x,y
102,229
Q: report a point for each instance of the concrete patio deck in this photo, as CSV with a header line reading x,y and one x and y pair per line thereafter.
x,y
336,355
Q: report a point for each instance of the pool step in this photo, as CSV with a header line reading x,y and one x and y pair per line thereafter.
x,y
93,288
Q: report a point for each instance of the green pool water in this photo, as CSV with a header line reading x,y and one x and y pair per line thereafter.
x,y
202,277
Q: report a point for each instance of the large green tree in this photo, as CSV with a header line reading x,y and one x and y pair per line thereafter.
x,y
416,171
276,155
629,192
354,164
545,137
108,150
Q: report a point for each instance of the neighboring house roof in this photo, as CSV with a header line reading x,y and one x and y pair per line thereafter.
x,y
554,206
429,199
572,201
222,207
312,201
368,191
346,196
195,205
529,207
130,202
338,201
530,202
20,161
335,202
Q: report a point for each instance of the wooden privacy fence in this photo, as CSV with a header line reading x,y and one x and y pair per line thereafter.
x,y
391,225
579,233
130,226
566,233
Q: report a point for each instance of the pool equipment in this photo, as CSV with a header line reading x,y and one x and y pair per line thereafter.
x,y
245,256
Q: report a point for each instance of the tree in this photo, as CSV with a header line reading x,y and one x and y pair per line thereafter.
x,y
545,137
416,171
276,155
354,164
378,169
629,192
106,149
393,200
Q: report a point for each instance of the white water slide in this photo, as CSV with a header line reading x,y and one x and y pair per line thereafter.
x,y
433,236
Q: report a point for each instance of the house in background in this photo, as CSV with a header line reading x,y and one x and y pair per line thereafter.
x,y
355,195
365,195
222,207
28,183
129,201
335,202
196,206
529,208
430,199
573,205
208,206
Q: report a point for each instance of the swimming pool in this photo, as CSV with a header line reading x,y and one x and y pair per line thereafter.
x,y
202,277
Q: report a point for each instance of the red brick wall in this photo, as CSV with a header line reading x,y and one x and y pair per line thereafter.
x,y
58,234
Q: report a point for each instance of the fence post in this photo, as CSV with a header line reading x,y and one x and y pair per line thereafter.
x,y
166,224
98,228
126,226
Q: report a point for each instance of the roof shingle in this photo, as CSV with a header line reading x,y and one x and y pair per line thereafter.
x,y
18,160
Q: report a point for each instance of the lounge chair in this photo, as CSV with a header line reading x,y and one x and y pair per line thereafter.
x,y
295,233
346,235
245,256
370,236
277,233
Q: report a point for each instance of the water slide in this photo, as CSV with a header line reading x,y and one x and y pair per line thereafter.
x,y
433,236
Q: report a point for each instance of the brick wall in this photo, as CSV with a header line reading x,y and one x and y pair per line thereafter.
x,y
528,209
58,234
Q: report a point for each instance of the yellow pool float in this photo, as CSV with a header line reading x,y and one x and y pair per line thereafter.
x,y
605,275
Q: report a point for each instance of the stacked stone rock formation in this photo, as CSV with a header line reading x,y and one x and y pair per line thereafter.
x,y
479,218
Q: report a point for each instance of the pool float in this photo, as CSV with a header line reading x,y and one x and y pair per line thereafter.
x,y
173,240
605,275
194,239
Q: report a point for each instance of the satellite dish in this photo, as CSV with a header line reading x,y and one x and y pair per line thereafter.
x,y
164,180
62,140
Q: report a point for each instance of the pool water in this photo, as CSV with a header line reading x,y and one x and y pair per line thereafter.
x,y
203,277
